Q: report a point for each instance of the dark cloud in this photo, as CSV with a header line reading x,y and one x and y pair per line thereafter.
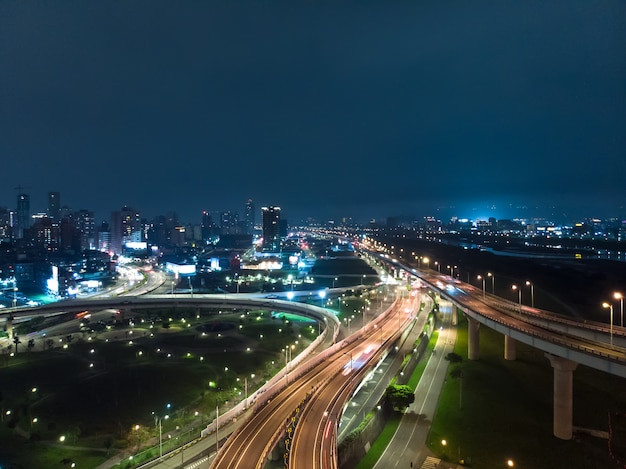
x,y
362,109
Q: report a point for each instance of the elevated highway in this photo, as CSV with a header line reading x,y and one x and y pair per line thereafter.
x,y
566,342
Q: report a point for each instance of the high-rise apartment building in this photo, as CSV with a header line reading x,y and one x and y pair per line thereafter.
x,y
54,206
5,224
23,214
46,233
86,229
271,229
125,226
229,222
206,225
104,237
249,216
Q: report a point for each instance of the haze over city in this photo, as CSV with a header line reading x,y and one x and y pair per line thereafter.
x,y
328,110
318,234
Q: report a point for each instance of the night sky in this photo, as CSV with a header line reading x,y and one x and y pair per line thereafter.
x,y
327,109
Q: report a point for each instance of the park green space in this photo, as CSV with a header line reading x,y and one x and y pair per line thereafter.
x,y
99,388
498,409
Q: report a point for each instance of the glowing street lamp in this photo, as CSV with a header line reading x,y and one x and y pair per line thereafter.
x,y
532,293
493,282
322,295
620,297
519,293
348,321
610,306
480,277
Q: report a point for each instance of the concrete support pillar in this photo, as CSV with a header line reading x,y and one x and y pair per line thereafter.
x,y
563,395
473,339
509,348
455,315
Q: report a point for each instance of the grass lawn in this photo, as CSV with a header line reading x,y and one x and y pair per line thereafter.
x,y
379,446
96,391
503,409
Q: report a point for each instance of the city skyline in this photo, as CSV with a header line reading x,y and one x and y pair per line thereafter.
x,y
331,111
56,202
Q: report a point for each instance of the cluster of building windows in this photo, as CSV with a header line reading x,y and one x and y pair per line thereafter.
x,y
57,240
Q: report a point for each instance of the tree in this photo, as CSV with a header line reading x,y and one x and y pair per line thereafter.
x,y
49,343
400,396
454,357
31,344
16,340
73,433
108,444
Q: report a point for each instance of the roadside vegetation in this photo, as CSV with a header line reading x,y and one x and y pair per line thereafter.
x,y
96,394
491,410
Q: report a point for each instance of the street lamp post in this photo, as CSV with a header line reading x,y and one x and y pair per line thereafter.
x,y
480,277
157,421
532,293
610,306
620,297
493,282
160,439
519,293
